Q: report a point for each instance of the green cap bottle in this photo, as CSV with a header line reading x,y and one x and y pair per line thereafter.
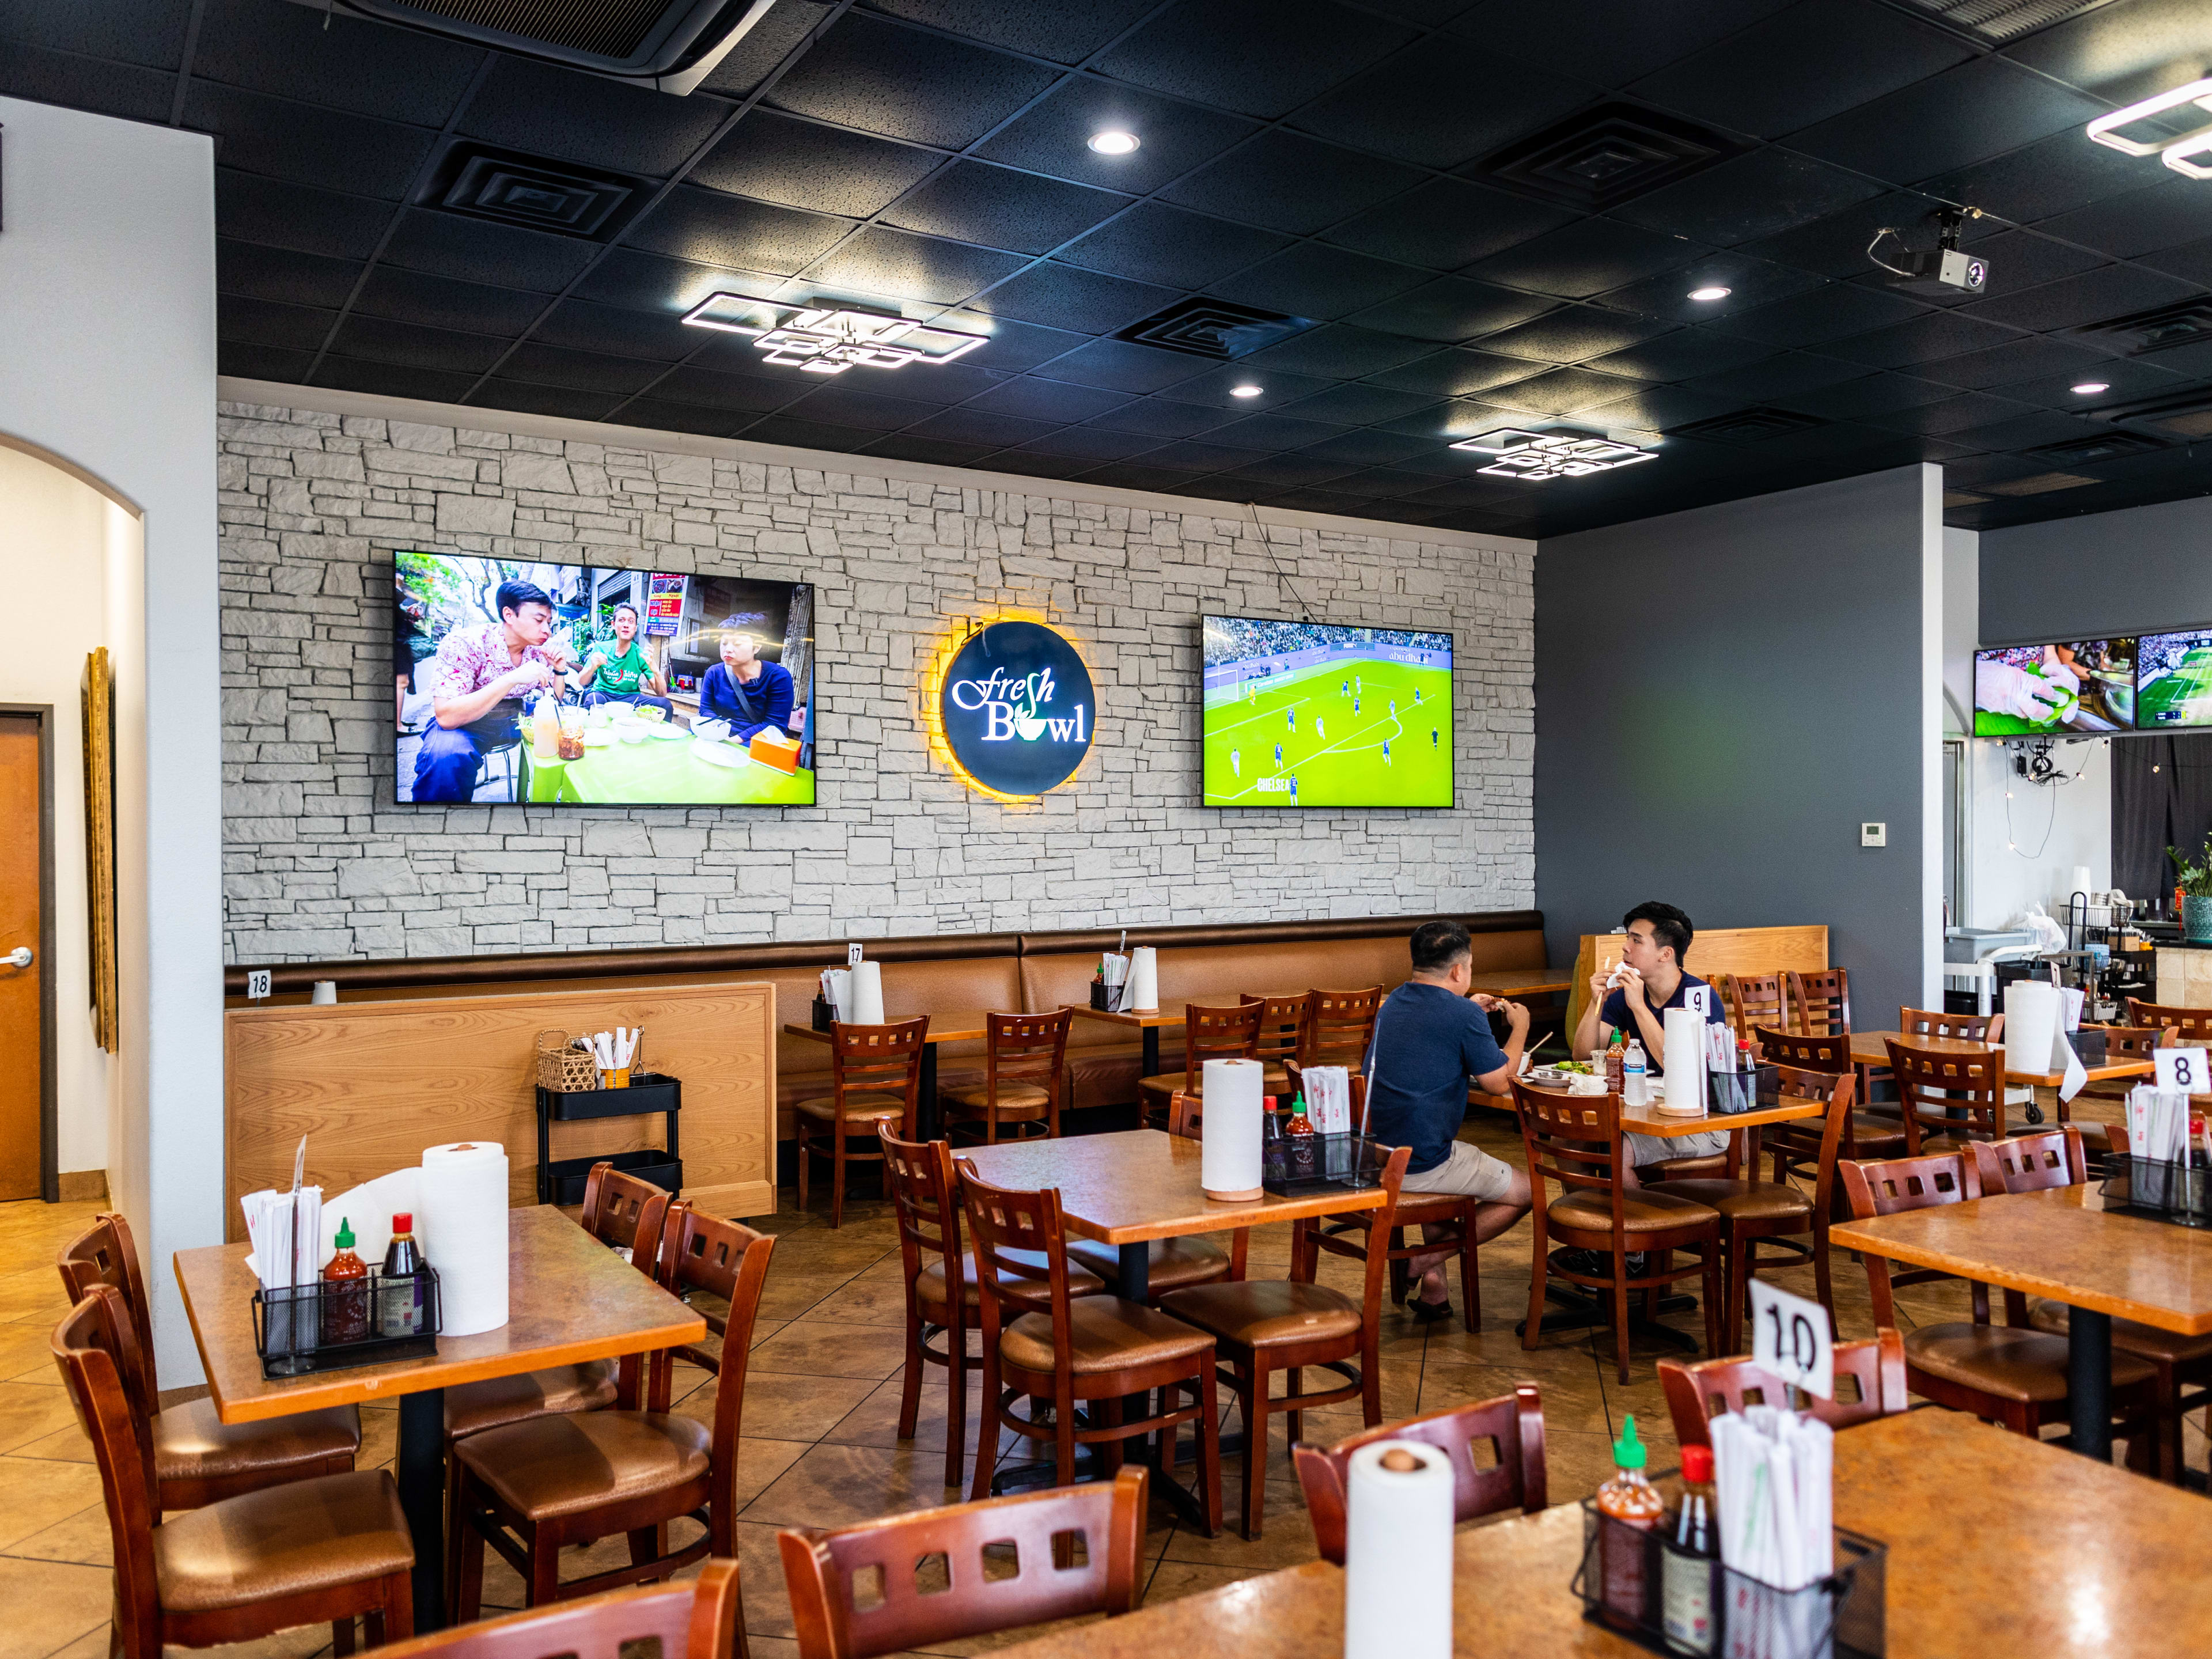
x,y
344,1239
1629,1452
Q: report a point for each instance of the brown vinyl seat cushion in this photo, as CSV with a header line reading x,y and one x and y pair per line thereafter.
x,y
2012,1364
1869,1130
1020,1100
1174,1263
1745,1200
302,1536
2129,1336
929,1284
1265,1313
1645,1210
859,1107
473,1407
1696,1167
1277,1082
190,1443
1105,1334
555,1466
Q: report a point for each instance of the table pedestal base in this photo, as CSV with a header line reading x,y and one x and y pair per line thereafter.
x,y
420,1469
2089,1383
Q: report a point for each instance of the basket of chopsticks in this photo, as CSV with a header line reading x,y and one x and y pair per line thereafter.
x,y
566,1066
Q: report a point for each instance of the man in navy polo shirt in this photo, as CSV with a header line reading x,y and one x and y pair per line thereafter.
x,y
1651,980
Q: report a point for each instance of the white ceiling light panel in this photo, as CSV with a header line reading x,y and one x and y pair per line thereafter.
x,y
827,340
1536,456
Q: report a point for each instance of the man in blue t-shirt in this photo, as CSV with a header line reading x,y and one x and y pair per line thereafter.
x,y
1633,1000
1431,1038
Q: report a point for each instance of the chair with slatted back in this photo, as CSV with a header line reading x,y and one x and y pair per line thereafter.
x,y
1797,1146
1701,1390
1173,1264
1819,1001
936,1579
198,1457
2191,1027
532,1488
1208,1033
1750,999
1025,1079
1949,1100
2013,1378
2181,1366
1341,1027
1955,1027
1512,1478
2122,1042
875,1077
1282,1035
702,1619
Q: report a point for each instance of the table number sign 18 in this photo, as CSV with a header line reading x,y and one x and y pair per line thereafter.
x,y
2182,1069
1790,1339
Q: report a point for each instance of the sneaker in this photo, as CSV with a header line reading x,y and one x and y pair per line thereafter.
x,y
1599,1267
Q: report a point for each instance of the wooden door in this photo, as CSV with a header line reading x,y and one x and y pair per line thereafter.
x,y
23,862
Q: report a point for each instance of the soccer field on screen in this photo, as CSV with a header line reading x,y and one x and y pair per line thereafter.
x,y
2180,696
1334,754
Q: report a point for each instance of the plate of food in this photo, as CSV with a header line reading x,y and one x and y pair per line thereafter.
x,y
721,754
599,736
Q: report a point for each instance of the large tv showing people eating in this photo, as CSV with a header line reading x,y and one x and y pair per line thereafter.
x,y
1317,714
2079,686
569,684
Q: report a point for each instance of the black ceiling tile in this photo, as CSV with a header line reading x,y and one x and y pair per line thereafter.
x,y
1289,183
763,46
1387,481
1762,194
975,202
320,57
1307,499
2025,357
907,83
477,251
1457,373
714,228
2192,264
938,383
1586,257
1441,425
1155,243
1125,475
100,85
1415,106
1452,308
392,380
263,322
1573,334
1603,41
1446,223
279,214
260,363
1193,456
1561,392
1173,136
583,371
149,32
1358,448
2126,378
310,146
2192,362
1012,345
1926,339
802,164
1315,280
1359,405
1122,366
842,400
280,274
1870,394
413,296
1816,59
382,341
875,259
1066,34
1656,408
657,414
1956,414
1285,52
1982,108
2166,214
1775,377
1036,464
1750,283
2122,52
1339,351
1216,387
2055,175
1273,432
714,390
979,426
570,403
1679,355
1833,313
2092,297
935,451
583,117
1061,296
1046,400
1094,443
619,331
1837,246
804,435
1157,418
1288,470
655,283
2041,425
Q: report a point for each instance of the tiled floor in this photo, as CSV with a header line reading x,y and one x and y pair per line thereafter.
x,y
820,1443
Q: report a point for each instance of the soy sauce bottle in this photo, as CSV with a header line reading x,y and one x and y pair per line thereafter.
x,y
399,1300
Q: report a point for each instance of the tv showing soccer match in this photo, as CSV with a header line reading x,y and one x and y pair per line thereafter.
x,y
567,684
2174,680
2078,686
1311,714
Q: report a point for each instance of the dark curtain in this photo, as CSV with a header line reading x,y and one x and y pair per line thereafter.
x,y
2161,798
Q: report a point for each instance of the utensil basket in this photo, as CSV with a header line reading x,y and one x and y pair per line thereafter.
x,y
563,1070
1728,1093
396,1318
2158,1190
1292,1165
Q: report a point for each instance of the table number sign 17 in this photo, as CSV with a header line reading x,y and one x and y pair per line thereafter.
x,y
2182,1069
1790,1339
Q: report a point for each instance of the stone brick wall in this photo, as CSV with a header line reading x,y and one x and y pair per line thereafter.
x,y
321,864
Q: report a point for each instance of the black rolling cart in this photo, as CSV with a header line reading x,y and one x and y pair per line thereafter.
x,y
563,1182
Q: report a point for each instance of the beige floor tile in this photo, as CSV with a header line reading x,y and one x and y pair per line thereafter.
x,y
880,1300
93,1644
50,1605
29,1413
41,1493
810,1348
874,1420
834,1485
26,1351
777,1406
83,1538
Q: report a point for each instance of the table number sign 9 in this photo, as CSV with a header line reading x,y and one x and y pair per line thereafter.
x,y
1790,1339
2182,1069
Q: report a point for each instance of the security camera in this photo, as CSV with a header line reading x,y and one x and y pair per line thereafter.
x,y
1938,269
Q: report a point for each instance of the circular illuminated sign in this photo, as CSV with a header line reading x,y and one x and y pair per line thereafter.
x,y
1017,709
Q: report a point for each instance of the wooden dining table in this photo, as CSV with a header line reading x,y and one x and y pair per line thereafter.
x,y
1996,1545
570,1299
965,1027
1871,1048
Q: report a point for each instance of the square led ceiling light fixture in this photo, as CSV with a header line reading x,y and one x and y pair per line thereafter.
x,y
826,339
1536,456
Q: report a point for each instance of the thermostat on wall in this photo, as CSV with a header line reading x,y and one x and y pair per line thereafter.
x,y
1874,835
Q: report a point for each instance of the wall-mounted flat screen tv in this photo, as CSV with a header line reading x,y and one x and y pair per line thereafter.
x,y
1307,715
2173,681
2078,686
567,684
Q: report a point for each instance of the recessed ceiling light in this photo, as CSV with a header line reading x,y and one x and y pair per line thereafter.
x,y
1114,142
2091,388
1710,293
1245,391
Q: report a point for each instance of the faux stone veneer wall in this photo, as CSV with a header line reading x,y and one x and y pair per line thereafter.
x,y
321,864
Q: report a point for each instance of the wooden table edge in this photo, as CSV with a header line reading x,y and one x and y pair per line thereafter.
x,y
1136,1021
1668,1126
1282,1209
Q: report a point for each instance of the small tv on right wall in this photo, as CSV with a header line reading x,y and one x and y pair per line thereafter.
x,y
2081,687
2174,680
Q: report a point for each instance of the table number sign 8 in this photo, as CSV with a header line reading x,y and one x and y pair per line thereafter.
x,y
2181,1068
1790,1339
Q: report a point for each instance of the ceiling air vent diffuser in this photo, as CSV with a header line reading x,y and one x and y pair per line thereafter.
x,y
2186,322
2098,446
2003,20
532,191
1213,328
1746,426
2184,414
1607,155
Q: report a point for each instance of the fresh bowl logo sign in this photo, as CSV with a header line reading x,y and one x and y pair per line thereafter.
x,y
1017,709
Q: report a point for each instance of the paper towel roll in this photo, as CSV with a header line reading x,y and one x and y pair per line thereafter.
x,y
462,1228
1398,1552
1145,980
868,994
1685,1031
2031,1024
1229,1132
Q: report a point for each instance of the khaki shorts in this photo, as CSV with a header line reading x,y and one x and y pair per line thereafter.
x,y
1469,1169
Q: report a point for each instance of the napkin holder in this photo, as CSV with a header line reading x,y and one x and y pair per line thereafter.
x,y
1292,1166
825,1014
2157,1189
1729,1093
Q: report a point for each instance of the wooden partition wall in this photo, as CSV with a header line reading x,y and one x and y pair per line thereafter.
x,y
372,1084
1722,951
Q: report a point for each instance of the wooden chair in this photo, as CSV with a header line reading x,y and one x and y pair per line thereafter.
x,y
1339,1027
1024,1078
1282,1036
1208,1033
1698,1392
532,1487
931,1578
1819,1002
1797,1146
2013,1378
1264,1326
1958,1028
198,1457
1512,1478
2181,1366
314,1550
1575,1140
702,1619
2191,1027
1446,1220
1773,1212
1043,1342
875,1077
2122,1042
942,1297
1932,1085
1750,999
1171,1264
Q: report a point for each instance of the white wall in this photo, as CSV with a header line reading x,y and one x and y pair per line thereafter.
x,y
2027,838
107,364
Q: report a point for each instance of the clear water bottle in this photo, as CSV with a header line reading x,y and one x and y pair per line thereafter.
x,y
1632,1075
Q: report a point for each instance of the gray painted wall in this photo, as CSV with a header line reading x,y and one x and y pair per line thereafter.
x,y
1722,696
2142,569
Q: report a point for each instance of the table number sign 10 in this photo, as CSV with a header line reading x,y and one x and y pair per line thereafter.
x,y
1790,1339
2182,1069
